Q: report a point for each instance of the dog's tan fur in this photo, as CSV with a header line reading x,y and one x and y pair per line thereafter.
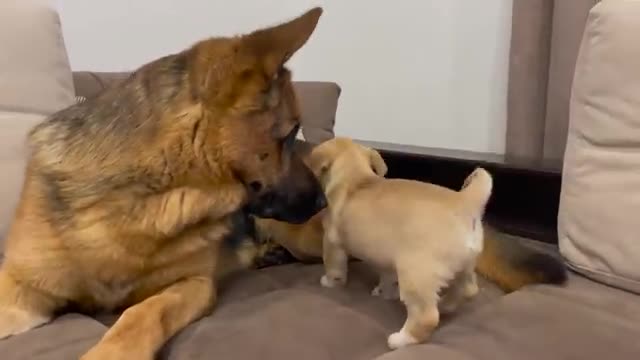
x,y
428,235
127,197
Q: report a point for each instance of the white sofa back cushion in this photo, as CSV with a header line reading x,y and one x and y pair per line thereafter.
x,y
599,220
35,76
35,81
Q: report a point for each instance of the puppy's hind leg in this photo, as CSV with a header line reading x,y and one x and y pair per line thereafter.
x,y
462,288
419,293
22,308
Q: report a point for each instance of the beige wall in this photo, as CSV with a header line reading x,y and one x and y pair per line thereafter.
x,y
419,72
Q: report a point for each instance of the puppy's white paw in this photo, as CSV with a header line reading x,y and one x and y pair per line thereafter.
x,y
400,339
331,281
471,289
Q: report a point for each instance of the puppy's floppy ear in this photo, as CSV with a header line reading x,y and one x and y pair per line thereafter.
x,y
319,164
321,158
377,163
276,44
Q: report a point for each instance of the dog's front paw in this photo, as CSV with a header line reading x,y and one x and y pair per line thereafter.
x,y
329,281
400,339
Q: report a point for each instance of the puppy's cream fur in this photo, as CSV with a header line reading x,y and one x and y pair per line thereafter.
x,y
427,235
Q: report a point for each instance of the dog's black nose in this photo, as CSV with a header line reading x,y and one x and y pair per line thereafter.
x,y
321,201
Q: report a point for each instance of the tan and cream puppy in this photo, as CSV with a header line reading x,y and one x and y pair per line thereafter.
x,y
427,235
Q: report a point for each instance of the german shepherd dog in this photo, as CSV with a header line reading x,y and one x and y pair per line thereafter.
x,y
128,196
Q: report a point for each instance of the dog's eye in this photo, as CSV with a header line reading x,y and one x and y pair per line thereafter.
x,y
263,156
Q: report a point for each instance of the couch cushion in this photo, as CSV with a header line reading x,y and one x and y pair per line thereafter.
x,y
35,75
586,321
35,81
66,338
318,104
600,200
13,130
282,312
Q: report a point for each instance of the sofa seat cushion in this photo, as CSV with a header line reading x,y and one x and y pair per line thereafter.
x,y
13,131
68,337
282,312
586,321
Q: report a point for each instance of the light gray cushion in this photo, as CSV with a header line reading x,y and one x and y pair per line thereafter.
x,y
35,75
35,81
13,152
600,200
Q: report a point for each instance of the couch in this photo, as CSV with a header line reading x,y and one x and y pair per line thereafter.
x,y
281,312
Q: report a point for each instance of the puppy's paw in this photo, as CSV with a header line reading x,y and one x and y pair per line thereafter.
x,y
470,290
329,281
400,339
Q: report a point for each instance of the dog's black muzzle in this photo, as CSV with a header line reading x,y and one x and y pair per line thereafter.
x,y
295,199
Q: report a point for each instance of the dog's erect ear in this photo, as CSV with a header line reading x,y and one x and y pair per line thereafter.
x,y
223,69
377,163
275,45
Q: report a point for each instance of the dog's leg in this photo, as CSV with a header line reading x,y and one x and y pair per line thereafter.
x,y
335,261
21,307
387,287
144,328
462,288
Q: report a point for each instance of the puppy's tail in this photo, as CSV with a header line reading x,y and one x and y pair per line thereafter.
x,y
512,265
476,191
